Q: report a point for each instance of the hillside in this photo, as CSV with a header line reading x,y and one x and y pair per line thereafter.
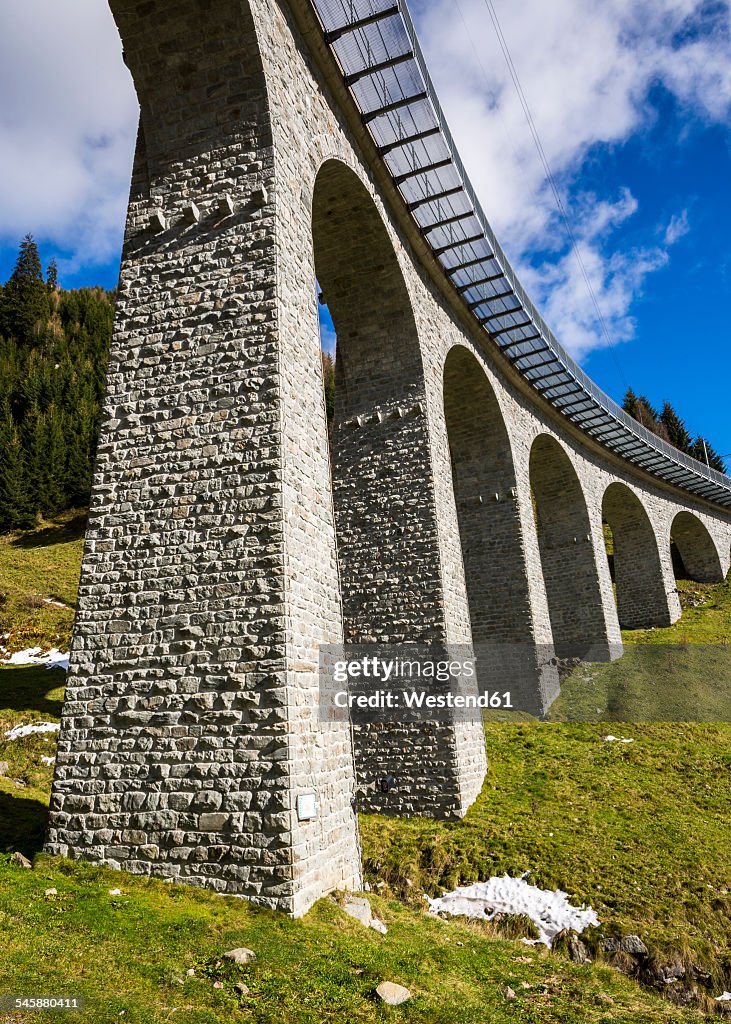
x,y
639,831
54,347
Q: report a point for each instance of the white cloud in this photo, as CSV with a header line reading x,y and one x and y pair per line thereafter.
x,y
69,117
67,128
677,227
586,67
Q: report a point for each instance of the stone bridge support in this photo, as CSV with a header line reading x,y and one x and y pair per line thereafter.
x,y
210,574
504,614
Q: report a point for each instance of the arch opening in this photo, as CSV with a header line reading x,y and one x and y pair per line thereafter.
x,y
491,539
568,559
381,473
483,477
642,599
386,524
695,554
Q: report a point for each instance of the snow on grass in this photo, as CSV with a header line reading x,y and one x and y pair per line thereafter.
x,y
725,997
19,731
47,760
616,739
549,910
34,656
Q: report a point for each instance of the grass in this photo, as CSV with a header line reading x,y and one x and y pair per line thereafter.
x,y
706,617
682,673
638,830
38,567
589,825
129,956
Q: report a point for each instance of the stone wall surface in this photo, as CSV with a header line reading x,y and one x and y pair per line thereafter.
x,y
226,543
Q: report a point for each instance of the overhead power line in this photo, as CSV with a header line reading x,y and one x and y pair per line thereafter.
x,y
551,180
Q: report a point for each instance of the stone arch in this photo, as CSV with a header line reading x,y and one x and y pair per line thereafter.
x,y
696,548
568,558
642,598
191,83
483,477
382,481
383,494
491,539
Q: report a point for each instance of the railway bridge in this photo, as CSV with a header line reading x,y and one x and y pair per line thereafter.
x,y
461,500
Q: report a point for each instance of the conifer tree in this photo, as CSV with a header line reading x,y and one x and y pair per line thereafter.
x,y
703,450
52,275
25,305
15,508
79,464
677,434
54,467
630,402
641,408
32,434
328,372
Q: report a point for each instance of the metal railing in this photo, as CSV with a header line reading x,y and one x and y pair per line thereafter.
x,y
375,45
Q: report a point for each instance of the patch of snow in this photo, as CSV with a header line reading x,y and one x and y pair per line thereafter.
x,y
726,997
48,760
616,739
34,656
549,910
56,604
18,731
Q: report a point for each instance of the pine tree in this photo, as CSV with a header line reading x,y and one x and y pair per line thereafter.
x,y
54,469
32,435
52,275
15,508
79,463
677,433
703,450
641,408
24,307
328,372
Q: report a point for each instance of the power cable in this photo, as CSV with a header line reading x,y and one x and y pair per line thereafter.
x,y
551,181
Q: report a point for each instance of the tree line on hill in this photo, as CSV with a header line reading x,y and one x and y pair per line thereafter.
x,y
670,427
54,346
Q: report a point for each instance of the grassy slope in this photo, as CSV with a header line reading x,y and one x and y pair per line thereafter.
x,y
132,952
638,830
38,564
682,673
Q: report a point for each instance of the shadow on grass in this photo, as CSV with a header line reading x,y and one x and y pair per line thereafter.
x,y
58,533
22,824
26,688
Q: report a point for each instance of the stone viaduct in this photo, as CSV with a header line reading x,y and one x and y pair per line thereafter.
x,y
473,464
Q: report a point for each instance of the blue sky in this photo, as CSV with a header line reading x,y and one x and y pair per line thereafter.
x,y
632,100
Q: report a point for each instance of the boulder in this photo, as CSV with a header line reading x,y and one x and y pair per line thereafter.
x,y
359,908
634,945
241,955
392,994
